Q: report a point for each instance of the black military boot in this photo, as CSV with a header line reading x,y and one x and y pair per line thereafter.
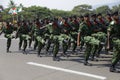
x,y
87,64
24,52
39,54
112,68
8,50
56,58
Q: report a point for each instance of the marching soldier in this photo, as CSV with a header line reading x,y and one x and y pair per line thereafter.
x,y
108,21
64,37
54,33
36,30
114,34
75,26
8,30
23,33
101,22
85,29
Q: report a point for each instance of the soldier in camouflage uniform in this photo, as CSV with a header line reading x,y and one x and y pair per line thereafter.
x,y
97,48
64,37
8,30
75,26
23,33
36,29
98,35
114,33
108,21
40,39
101,22
81,41
85,29
31,26
54,33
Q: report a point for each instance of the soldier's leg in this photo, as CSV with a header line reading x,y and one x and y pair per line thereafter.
x,y
8,44
115,60
111,46
74,46
87,53
40,46
82,43
55,50
30,42
20,43
36,44
93,51
69,44
65,47
25,46
74,42
48,45
99,50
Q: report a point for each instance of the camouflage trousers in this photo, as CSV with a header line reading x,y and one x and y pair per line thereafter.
x,y
116,55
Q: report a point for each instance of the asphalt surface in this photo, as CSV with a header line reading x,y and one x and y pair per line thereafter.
x,y
14,66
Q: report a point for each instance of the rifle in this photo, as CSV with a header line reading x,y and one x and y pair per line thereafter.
x,y
108,40
78,39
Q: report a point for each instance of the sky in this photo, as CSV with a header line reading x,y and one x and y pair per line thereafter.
x,y
60,4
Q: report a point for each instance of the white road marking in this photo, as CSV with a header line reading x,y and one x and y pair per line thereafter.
x,y
67,70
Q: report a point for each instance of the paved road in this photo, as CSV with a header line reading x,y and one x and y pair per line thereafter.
x,y
14,66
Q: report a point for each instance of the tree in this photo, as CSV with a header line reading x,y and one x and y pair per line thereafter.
x,y
82,9
103,9
5,15
62,13
11,4
116,8
38,12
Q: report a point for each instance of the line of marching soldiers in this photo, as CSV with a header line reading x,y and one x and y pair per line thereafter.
x,y
94,31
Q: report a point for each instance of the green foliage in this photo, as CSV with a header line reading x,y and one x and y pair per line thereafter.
x,y
116,8
33,12
103,9
82,8
5,16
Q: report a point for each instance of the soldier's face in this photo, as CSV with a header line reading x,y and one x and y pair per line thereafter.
x,y
86,18
93,18
115,17
99,16
81,19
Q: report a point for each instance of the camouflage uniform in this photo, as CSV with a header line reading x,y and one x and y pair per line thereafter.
x,y
64,37
74,29
40,39
114,30
97,48
8,34
54,33
86,29
23,33
91,44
